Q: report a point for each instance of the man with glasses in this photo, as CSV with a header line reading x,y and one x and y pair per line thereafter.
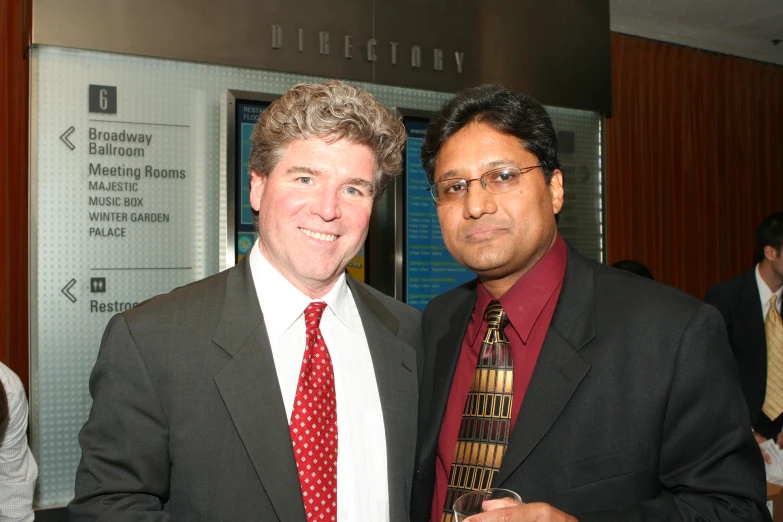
x,y
595,394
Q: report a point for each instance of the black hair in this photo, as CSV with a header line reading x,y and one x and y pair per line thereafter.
x,y
769,233
629,265
513,113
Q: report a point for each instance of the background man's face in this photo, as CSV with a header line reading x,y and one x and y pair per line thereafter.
x,y
775,258
314,211
497,236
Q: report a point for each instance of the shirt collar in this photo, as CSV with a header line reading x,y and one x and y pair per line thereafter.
x,y
525,300
283,304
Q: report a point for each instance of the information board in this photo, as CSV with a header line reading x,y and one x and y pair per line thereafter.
x,y
247,113
429,268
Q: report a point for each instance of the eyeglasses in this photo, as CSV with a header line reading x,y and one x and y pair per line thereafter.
x,y
495,181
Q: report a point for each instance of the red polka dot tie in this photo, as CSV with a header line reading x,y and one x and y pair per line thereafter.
x,y
314,424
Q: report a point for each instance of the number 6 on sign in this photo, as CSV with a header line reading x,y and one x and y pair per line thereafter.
x,y
103,99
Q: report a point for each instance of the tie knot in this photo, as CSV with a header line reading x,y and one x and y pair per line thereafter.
x,y
496,317
773,301
313,314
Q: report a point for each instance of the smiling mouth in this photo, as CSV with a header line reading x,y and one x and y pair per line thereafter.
x,y
318,235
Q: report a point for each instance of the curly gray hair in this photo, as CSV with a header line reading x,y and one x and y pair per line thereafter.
x,y
329,111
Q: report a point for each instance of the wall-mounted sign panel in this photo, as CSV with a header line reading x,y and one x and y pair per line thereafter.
x,y
245,232
239,112
558,51
127,185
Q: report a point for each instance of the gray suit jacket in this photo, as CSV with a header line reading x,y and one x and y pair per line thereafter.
x,y
634,411
188,422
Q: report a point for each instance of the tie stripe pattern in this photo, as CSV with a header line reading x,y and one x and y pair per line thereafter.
x,y
486,419
314,424
773,326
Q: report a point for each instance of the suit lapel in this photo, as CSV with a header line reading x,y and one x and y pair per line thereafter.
x,y
453,324
250,390
394,363
559,369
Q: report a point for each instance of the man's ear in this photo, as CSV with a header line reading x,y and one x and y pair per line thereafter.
x,y
557,191
257,183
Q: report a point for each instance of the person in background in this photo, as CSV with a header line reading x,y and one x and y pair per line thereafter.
x,y
18,470
588,391
635,267
750,306
280,389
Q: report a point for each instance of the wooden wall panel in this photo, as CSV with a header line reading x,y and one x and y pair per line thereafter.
x,y
14,145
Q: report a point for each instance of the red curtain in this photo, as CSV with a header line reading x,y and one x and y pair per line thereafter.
x,y
14,88
694,160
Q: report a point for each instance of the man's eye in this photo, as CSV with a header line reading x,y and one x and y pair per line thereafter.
x,y
305,180
354,191
453,188
503,176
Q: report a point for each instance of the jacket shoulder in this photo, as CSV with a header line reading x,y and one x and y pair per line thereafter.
x,y
730,287
187,299
633,293
449,298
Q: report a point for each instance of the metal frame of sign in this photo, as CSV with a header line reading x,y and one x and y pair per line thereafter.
x,y
228,164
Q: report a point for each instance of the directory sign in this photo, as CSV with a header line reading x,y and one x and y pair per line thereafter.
x,y
429,268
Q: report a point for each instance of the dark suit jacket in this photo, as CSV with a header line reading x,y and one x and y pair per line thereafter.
x,y
739,303
188,422
633,412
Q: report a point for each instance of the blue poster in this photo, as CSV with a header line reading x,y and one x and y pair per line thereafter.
x,y
247,113
429,268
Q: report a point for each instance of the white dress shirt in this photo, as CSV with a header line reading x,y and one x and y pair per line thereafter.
x,y
18,469
765,293
362,480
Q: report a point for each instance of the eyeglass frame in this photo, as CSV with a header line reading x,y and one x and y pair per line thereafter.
x,y
522,170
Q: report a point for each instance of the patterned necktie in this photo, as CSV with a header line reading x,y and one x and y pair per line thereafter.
x,y
486,420
314,424
773,326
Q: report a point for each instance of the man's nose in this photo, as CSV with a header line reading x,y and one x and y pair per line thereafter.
x,y
477,201
326,204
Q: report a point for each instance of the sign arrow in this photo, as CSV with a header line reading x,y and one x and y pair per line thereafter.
x,y
66,289
65,139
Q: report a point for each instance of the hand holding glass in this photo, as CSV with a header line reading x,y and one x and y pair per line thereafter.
x,y
472,503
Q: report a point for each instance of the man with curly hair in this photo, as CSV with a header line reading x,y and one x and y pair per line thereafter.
x,y
281,389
